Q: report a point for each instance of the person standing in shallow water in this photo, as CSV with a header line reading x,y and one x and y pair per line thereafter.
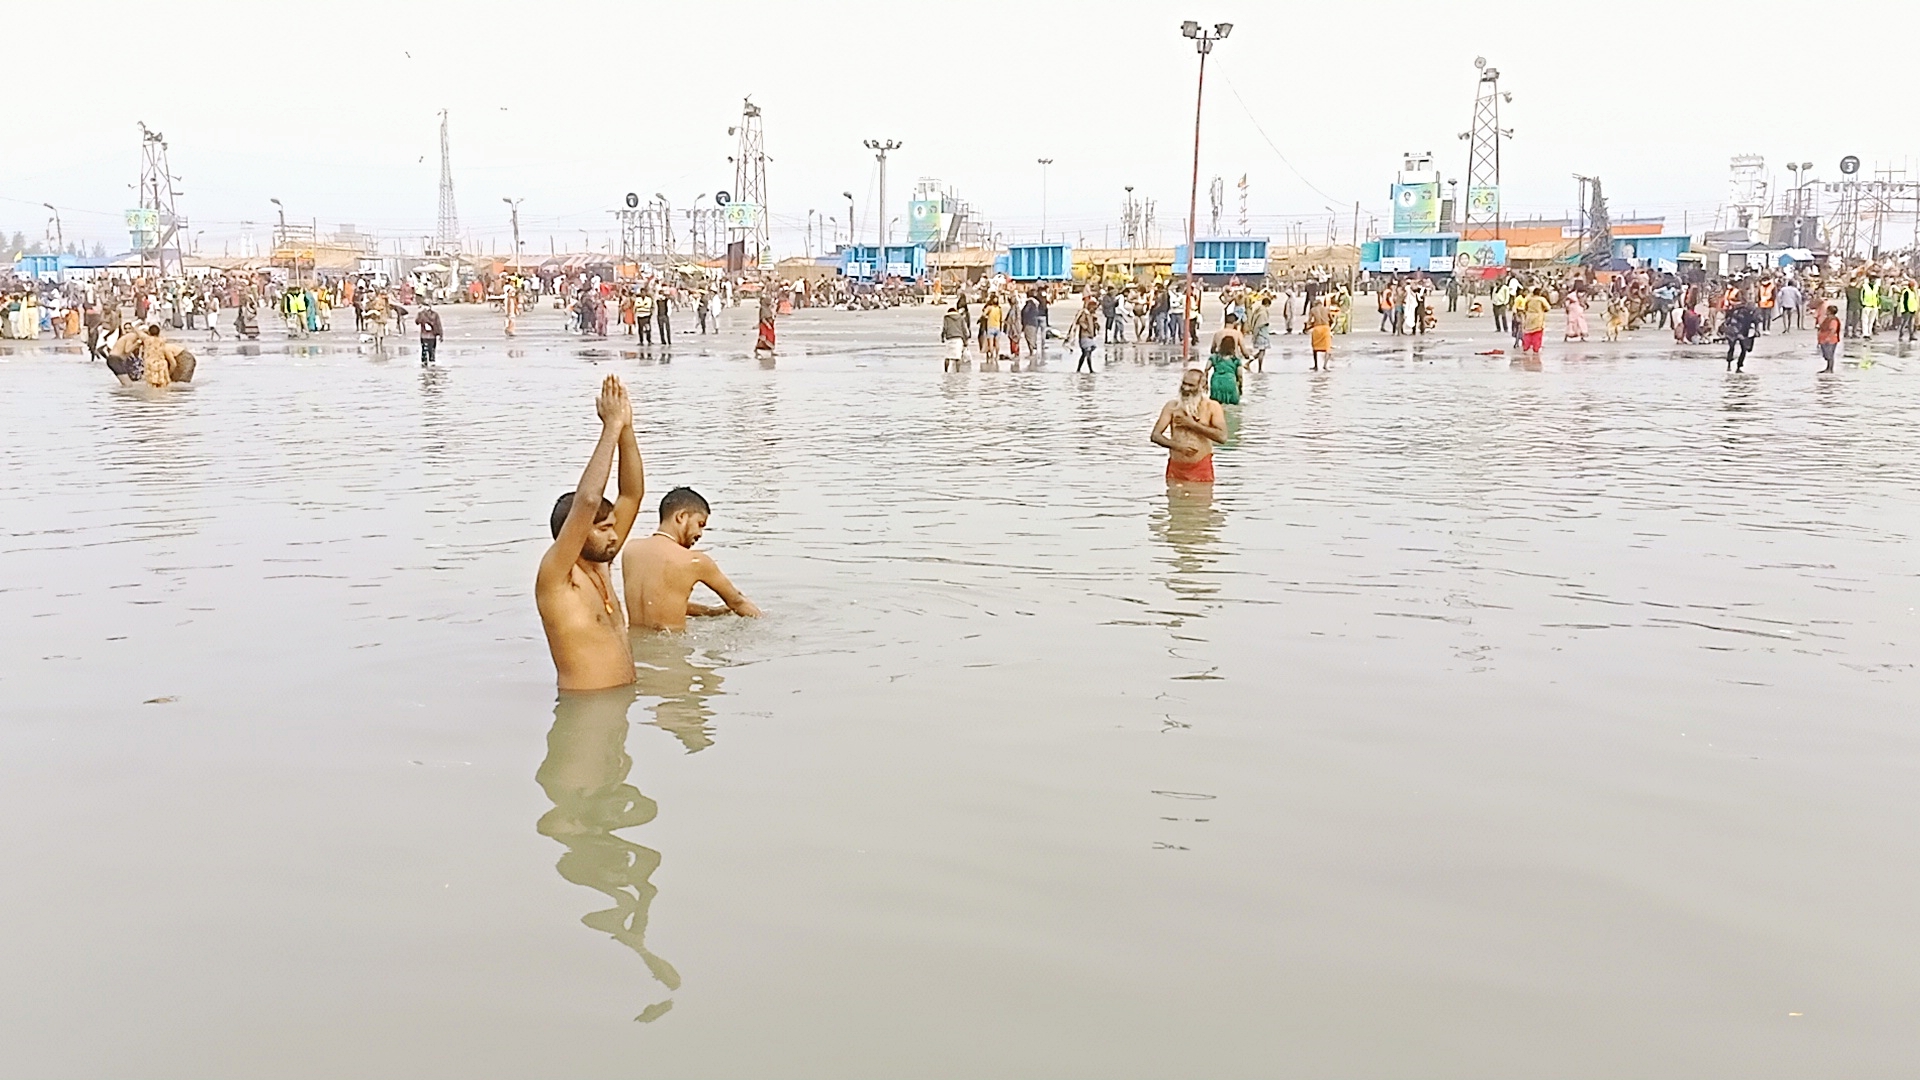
x,y
1829,330
431,332
1188,427
585,624
660,572
764,337
1086,332
1530,317
1224,357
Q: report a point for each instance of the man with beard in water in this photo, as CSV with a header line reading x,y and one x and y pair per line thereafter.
x,y
586,628
1188,427
661,571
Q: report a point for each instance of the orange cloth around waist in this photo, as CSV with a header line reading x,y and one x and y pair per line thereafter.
x,y
1192,472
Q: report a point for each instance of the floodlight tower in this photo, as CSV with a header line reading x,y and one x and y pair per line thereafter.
x,y
157,197
1483,152
881,148
750,185
1203,43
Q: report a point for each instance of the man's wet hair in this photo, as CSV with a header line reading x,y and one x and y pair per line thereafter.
x,y
679,499
564,506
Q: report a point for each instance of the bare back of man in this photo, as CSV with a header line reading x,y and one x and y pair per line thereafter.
x,y
579,608
661,571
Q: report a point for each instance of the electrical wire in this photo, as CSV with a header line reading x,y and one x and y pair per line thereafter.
x,y
1270,143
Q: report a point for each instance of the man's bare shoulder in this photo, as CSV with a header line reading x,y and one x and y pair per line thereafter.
x,y
656,550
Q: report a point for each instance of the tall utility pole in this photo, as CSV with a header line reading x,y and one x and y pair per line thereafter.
x,y
880,151
514,205
696,227
1483,153
666,230
59,233
1582,210
848,195
447,234
1203,42
1044,162
750,187
1799,169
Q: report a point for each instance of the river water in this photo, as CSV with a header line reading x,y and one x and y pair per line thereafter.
x,y
1481,722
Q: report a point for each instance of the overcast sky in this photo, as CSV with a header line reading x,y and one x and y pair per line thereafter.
x,y
571,105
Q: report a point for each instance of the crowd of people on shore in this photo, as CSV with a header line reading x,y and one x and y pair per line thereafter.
x,y
1015,319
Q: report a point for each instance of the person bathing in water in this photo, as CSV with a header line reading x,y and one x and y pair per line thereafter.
x,y
1188,427
579,609
661,570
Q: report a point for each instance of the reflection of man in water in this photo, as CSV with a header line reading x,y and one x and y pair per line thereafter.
x,y
586,630
665,668
1188,427
1190,526
661,570
585,774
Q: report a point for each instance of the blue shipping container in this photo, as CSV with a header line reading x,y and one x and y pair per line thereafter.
x,y
1039,262
1225,257
859,260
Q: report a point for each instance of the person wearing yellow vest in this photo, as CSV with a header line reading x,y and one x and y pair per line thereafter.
x,y
1869,305
1907,309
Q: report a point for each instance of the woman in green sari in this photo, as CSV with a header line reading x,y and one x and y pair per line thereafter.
x,y
1229,349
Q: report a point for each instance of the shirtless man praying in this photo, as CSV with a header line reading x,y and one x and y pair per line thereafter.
x,y
661,570
586,628
1188,427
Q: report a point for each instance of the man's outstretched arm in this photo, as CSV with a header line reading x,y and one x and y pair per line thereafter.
x,y
633,480
712,578
558,562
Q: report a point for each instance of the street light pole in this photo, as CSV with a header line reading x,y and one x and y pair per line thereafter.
x,y
280,237
666,226
59,234
1203,42
514,206
881,149
848,195
1799,170
1044,162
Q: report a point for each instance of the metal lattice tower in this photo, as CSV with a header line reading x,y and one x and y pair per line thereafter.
x,y
1216,195
1246,229
750,185
1746,191
1483,150
157,195
447,235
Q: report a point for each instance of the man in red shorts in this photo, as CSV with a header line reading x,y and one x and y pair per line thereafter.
x,y
1188,427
